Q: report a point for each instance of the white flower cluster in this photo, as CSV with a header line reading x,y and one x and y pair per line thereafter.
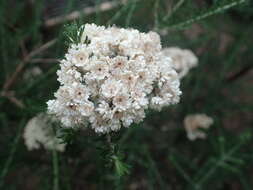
x,y
193,124
113,78
183,59
37,133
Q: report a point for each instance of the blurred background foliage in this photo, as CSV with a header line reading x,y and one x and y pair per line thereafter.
x,y
160,155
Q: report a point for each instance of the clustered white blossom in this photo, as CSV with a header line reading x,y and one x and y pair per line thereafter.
x,y
183,59
113,79
194,123
37,133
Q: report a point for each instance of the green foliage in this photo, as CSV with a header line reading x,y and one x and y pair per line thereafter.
x,y
121,168
156,153
228,159
66,135
73,33
216,8
5,167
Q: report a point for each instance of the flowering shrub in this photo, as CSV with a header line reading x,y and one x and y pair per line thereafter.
x,y
154,154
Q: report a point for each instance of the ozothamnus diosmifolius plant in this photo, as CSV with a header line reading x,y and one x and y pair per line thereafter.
x,y
110,76
90,139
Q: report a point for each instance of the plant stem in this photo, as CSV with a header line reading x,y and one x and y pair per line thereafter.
x,y
174,9
8,162
56,170
109,141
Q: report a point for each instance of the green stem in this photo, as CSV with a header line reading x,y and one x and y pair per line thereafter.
x,y
206,14
174,9
109,141
56,170
8,162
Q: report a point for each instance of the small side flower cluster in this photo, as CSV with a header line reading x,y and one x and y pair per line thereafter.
x,y
194,123
32,73
37,133
111,77
183,59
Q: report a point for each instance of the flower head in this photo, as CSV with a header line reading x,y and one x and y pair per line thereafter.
x,y
111,80
37,133
183,59
194,123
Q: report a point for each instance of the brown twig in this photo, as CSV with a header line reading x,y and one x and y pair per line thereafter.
x,y
41,49
15,101
239,74
23,48
27,59
10,95
10,81
43,60
77,14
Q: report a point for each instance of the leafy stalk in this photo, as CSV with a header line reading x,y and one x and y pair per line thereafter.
x,y
205,14
9,160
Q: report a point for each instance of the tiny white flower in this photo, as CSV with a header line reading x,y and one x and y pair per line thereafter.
x,y
111,88
78,55
122,101
118,64
99,69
